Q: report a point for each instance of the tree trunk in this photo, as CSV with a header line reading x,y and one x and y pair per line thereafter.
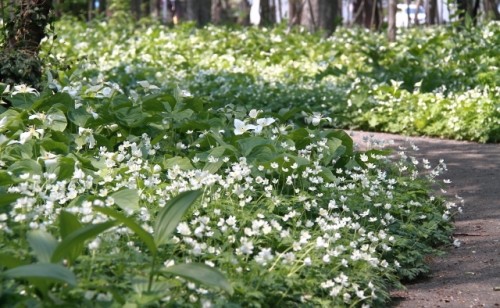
x,y
367,13
319,14
417,8
267,12
294,12
243,13
491,10
219,13
154,9
19,62
391,19
431,11
198,11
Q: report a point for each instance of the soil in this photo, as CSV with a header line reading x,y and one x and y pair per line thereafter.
x,y
468,275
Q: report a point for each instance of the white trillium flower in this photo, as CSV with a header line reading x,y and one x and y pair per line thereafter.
x,y
240,127
32,132
265,121
254,113
22,88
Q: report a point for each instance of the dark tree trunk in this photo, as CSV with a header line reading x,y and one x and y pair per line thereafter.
x,y
267,12
220,12
391,18
431,12
198,11
367,13
244,13
294,12
27,27
319,14
19,62
491,10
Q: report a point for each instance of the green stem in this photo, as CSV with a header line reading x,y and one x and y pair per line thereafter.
x,y
152,273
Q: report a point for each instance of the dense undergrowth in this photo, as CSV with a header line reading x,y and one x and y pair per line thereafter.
x,y
127,182
434,81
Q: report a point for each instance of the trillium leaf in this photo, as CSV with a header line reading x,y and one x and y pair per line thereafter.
x,y
183,162
69,223
47,271
43,245
132,225
201,273
126,199
56,120
169,217
78,237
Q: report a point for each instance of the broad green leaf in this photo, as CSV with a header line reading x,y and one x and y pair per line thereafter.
x,y
79,117
169,217
183,162
56,119
69,223
249,143
7,198
47,271
79,237
201,273
127,199
65,168
213,167
25,166
132,225
43,245
54,146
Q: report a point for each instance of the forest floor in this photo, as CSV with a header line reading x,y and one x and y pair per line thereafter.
x,y
468,275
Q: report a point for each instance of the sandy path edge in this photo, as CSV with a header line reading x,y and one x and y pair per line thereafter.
x,y
467,276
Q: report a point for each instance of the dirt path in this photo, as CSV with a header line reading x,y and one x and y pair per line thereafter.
x,y
467,276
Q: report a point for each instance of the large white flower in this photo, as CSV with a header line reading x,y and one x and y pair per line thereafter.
x,y
22,88
240,127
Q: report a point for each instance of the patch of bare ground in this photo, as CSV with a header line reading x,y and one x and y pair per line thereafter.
x,y
468,275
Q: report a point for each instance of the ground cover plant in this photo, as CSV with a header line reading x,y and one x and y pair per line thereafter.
x,y
433,81
285,214
126,182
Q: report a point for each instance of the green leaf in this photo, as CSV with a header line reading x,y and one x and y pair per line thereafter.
x,y
213,167
79,237
47,271
25,166
9,261
131,224
249,143
69,223
43,245
169,217
126,199
8,198
183,162
56,119
201,273
79,117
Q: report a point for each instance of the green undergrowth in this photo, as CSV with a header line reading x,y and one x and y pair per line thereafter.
x,y
139,195
436,81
